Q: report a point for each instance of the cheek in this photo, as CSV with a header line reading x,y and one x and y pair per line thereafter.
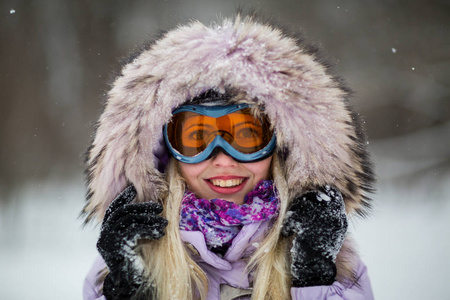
x,y
261,169
190,172
265,172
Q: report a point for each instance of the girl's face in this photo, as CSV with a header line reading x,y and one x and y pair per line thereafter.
x,y
223,177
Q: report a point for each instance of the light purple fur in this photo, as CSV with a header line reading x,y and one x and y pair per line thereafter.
x,y
306,105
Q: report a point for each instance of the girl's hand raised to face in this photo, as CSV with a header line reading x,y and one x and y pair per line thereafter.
x,y
319,222
123,225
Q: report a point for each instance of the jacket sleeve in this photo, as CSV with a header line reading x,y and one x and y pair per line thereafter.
x,y
361,290
91,289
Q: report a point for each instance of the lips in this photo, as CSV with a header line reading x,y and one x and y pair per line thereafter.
x,y
226,184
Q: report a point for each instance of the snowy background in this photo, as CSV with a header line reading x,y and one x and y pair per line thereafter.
x,y
55,61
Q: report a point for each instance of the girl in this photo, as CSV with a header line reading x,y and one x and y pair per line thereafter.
x,y
225,166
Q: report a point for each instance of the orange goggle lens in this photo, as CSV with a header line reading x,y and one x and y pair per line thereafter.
x,y
190,133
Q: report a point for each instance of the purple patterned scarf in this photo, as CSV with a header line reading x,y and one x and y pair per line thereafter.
x,y
220,220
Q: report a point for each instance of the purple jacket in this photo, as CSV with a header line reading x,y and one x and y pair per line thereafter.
x,y
230,270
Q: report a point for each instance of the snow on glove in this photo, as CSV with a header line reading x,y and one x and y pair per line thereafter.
x,y
319,222
123,225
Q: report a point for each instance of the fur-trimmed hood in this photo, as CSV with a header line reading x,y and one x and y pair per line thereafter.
x,y
318,135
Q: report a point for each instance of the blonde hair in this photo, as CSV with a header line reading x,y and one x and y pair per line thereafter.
x,y
172,273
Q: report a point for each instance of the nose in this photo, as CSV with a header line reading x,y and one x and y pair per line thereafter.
x,y
223,160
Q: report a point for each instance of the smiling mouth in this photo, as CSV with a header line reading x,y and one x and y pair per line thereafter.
x,y
227,183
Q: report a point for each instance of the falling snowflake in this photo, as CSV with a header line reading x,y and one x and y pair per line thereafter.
x,y
12,11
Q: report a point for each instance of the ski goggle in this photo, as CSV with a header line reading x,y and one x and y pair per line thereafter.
x,y
196,132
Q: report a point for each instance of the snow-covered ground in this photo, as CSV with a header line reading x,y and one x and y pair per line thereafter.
x,y
45,253
406,245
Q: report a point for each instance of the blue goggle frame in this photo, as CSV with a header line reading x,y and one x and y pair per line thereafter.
x,y
218,143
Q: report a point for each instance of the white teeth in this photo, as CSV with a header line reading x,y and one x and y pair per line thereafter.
x,y
227,183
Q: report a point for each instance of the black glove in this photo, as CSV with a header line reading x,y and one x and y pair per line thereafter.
x,y
319,222
123,225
